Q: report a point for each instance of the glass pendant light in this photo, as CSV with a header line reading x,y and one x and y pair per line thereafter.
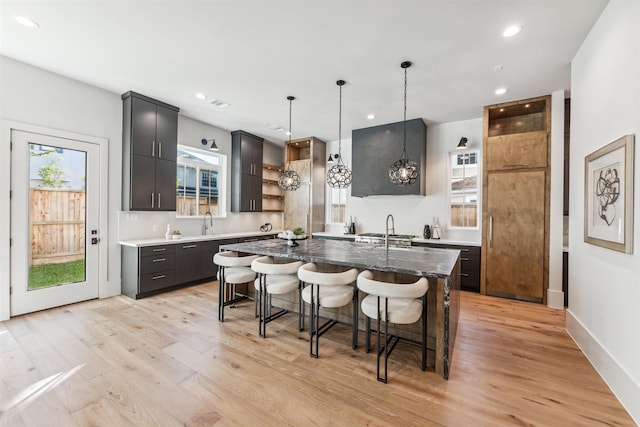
x,y
404,171
339,176
289,180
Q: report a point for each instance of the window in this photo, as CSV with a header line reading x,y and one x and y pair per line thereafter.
x,y
464,189
199,179
336,205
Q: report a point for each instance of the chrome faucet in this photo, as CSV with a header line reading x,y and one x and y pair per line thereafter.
x,y
206,227
386,232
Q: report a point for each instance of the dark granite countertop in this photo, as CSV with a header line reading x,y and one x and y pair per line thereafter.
x,y
417,261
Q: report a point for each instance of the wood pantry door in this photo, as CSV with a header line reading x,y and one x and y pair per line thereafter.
x,y
516,224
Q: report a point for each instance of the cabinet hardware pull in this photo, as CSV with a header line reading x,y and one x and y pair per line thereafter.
x,y
153,148
159,249
464,259
464,274
159,260
158,200
159,277
464,250
152,200
490,231
159,150
189,246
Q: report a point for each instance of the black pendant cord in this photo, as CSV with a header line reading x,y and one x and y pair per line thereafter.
x,y
340,83
404,155
290,98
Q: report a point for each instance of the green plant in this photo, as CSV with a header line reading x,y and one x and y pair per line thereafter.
x,y
298,231
52,174
176,232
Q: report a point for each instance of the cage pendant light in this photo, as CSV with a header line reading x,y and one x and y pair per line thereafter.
x,y
289,180
404,171
339,176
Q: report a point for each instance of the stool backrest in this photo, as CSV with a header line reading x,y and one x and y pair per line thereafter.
x,y
309,273
267,265
391,290
231,259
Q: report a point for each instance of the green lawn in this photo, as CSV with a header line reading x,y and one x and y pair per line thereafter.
x,y
42,276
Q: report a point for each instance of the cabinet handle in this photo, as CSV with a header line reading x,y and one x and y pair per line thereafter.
x,y
153,200
490,231
464,274
162,276
189,246
153,148
159,150
158,200
159,260
159,249
464,259
464,250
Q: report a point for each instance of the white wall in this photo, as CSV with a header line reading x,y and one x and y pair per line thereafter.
x,y
604,285
411,213
37,97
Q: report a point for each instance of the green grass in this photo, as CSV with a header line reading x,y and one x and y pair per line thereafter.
x,y
42,276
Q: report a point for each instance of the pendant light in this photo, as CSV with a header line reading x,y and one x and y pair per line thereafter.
x,y
339,176
404,171
289,180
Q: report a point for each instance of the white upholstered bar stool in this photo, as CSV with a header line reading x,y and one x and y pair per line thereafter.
x,y
275,277
232,270
397,303
328,290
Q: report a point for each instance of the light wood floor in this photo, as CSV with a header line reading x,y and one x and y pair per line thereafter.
x,y
166,361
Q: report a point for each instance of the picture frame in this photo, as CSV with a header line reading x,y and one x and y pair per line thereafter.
x,y
608,195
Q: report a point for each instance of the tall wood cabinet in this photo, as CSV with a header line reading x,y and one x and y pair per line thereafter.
x,y
305,207
150,143
515,208
246,172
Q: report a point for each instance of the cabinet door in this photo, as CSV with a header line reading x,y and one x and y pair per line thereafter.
x,y
188,265
516,218
143,183
246,155
166,133
517,151
143,127
165,185
250,193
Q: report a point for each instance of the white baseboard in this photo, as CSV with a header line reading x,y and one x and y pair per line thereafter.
x,y
615,376
555,299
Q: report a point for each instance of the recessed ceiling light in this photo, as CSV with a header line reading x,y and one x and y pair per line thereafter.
x,y
511,31
371,116
27,22
501,91
200,95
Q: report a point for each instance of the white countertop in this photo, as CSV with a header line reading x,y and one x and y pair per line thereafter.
x,y
415,239
186,239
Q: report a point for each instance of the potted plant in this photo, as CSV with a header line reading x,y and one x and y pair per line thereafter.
x,y
175,234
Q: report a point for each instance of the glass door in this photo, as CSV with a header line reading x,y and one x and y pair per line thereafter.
x,y
54,221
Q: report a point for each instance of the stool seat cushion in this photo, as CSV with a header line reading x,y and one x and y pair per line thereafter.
x,y
238,275
278,284
402,311
330,296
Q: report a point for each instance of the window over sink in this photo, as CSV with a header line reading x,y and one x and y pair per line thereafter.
x,y
464,189
200,182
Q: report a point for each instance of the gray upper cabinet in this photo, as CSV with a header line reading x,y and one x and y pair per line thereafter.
x,y
374,149
149,141
246,172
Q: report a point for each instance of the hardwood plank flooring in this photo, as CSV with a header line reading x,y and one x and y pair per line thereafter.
x,y
166,360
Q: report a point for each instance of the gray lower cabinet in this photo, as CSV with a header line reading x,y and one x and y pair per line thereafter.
x,y
188,262
469,264
147,270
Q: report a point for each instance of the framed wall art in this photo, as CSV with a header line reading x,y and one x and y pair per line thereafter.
x,y
608,196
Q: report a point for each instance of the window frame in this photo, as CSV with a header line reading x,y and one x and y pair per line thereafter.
x,y
200,165
450,194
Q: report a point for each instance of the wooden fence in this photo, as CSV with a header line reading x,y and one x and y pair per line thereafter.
x,y
57,223
464,216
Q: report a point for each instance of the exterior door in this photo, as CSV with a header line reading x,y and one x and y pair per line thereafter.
x,y
54,221
515,252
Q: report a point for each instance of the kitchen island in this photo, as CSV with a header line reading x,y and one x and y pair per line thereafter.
x,y
440,266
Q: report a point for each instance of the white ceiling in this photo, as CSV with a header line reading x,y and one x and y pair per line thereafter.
x,y
252,54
